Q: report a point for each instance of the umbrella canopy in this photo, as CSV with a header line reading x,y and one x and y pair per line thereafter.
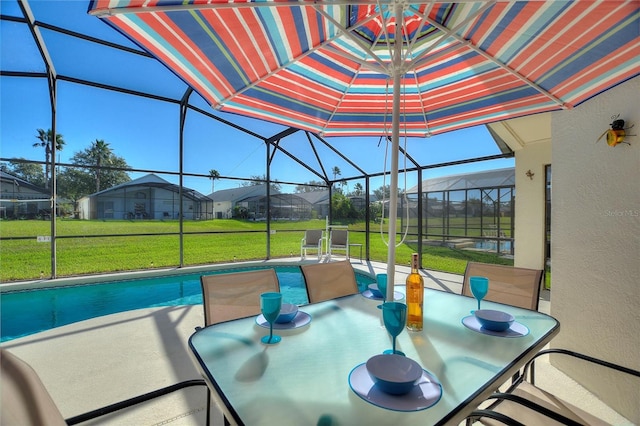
x,y
387,67
328,66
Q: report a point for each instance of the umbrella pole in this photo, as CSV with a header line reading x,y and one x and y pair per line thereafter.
x,y
395,144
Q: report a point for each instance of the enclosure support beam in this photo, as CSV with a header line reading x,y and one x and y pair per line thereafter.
x,y
184,102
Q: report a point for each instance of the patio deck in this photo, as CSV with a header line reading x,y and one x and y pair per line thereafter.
x,y
96,362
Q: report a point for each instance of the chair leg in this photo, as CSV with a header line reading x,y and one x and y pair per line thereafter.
x,y
208,406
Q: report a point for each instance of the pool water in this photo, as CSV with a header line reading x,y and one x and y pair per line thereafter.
x,y
505,246
30,311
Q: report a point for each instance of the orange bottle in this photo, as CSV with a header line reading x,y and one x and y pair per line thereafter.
x,y
415,296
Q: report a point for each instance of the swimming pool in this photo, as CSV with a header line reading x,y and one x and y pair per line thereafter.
x,y
26,312
505,246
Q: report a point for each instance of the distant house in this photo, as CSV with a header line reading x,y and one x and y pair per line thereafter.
x,y
463,194
319,201
148,197
226,200
21,199
473,180
250,202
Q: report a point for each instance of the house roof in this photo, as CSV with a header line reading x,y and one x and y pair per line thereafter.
x,y
315,197
152,180
21,183
240,193
281,199
487,179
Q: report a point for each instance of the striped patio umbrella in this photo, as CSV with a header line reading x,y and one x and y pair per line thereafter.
x,y
387,67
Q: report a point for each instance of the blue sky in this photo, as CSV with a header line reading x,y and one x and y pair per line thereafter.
x,y
145,132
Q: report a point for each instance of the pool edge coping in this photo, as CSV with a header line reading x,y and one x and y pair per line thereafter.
x,y
129,275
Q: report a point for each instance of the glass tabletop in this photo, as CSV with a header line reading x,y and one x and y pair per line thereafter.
x,y
305,378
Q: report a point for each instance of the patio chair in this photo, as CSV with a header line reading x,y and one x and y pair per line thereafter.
x,y
226,297
312,241
327,281
507,284
26,401
338,240
524,403
235,295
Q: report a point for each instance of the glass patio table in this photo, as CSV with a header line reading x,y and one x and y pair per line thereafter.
x,y
304,379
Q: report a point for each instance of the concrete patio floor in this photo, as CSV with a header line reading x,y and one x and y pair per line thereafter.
x,y
96,362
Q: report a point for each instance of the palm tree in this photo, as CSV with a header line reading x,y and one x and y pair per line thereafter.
x,y
357,189
46,138
100,153
213,175
336,172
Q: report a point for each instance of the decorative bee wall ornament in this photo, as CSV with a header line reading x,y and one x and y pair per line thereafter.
x,y
617,133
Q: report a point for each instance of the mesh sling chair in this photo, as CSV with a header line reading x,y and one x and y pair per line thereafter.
x,y
26,401
338,240
327,281
312,241
525,403
226,297
507,284
235,295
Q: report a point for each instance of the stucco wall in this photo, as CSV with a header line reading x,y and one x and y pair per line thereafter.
x,y
530,204
595,246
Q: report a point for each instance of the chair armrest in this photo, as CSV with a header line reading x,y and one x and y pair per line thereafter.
x,y
477,414
529,370
535,407
133,401
530,365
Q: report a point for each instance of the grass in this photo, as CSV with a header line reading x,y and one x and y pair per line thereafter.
x,y
89,247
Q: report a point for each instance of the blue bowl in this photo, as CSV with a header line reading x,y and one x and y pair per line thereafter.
x,y
375,291
394,374
288,312
494,320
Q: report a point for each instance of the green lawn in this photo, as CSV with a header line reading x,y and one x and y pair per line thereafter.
x,y
88,247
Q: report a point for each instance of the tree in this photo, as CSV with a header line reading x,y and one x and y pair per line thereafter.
x,y
31,172
357,189
79,180
336,172
342,208
384,192
311,186
46,138
213,175
259,180
74,183
100,153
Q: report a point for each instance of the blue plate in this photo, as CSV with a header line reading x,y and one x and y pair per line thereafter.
x,y
426,393
300,320
369,295
516,329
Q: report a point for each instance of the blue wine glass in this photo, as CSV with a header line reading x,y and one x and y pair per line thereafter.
x,y
394,315
270,304
381,280
479,287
